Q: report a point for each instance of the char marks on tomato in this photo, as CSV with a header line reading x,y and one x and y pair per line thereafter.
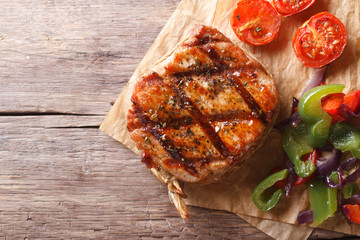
x,y
203,108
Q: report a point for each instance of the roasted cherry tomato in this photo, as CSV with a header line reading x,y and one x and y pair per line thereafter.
x,y
255,22
320,40
290,7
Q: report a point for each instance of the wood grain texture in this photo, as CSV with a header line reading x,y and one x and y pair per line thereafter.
x,y
62,64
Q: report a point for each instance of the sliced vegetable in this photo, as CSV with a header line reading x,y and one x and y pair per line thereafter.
x,y
317,78
352,100
349,163
291,178
317,119
295,142
352,212
355,199
352,178
324,166
305,217
320,40
255,22
261,198
345,138
331,104
293,120
346,112
349,191
323,201
334,180
290,7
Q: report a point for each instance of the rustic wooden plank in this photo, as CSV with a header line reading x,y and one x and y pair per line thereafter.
x,y
62,183
73,56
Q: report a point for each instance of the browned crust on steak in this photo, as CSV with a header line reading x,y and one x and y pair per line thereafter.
x,y
203,108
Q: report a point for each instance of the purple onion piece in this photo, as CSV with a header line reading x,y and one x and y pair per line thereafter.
x,y
331,184
316,79
328,147
349,163
352,200
295,104
346,112
352,177
294,120
340,198
324,166
290,180
305,217
345,212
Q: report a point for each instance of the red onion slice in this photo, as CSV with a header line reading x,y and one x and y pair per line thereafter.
x,y
331,184
316,78
290,180
294,119
352,177
324,166
346,112
305,217
352,200
349,163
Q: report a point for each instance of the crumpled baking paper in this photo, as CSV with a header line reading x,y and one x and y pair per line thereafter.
x,y
233,193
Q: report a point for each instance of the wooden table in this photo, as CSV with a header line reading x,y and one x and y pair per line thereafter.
x,y
62,65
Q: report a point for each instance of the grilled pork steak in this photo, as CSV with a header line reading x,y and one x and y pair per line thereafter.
x,y
202,109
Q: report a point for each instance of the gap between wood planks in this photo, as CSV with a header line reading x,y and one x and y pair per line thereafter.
x,y
71,120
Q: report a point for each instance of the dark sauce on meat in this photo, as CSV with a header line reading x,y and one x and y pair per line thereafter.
x,y
147,159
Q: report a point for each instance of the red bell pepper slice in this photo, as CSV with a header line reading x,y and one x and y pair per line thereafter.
x,y
352,100
331,104
352,212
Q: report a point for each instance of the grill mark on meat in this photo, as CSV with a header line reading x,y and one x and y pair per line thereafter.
x,y
214,56
167,144
201,41
176,123
204,122
249,100
156,131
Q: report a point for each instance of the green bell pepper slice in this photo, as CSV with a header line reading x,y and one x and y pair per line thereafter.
x,y
311,112
261,198
323,201
295,142
350,190
345,138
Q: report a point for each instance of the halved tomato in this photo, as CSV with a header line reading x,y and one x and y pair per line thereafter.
x,y
320,40
290,7
255,22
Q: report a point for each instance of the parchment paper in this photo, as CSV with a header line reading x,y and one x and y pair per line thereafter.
x,y
234,192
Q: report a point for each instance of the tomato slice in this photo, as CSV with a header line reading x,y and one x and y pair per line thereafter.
x,y
320,40
255,22
352,212
290,7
